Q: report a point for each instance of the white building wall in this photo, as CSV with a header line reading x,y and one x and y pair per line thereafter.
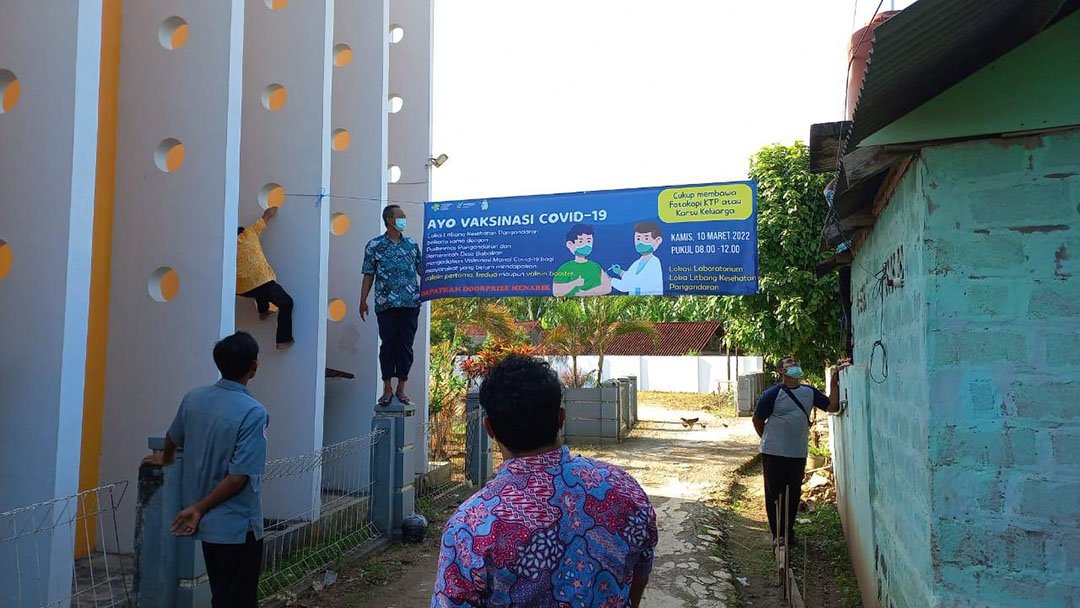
x,y
290,146
410,151
184,220
360,101
48,142
703,374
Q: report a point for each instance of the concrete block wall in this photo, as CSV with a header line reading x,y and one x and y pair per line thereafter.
x,y
1003,233
959,475
882,460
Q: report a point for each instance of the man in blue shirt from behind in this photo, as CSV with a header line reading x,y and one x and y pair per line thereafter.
x,y
222,431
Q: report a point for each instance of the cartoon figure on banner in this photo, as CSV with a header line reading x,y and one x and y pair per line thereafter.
x,y
580,276
645,275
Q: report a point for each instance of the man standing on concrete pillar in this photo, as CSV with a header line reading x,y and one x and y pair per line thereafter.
x,y
782,420
392,264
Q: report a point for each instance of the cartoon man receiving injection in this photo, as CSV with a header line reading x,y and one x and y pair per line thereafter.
x,y
645,276
580,276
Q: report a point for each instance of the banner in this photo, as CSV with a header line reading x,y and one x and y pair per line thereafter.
x,y
675,240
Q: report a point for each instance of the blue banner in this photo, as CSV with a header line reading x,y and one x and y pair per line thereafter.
x,y
673,240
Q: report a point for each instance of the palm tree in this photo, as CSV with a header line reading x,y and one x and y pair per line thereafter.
x,y
582,325
492,317
608,321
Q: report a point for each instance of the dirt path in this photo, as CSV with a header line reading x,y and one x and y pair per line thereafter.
x,y
680,469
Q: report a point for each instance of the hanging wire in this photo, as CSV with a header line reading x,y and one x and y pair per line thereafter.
x,y
879,345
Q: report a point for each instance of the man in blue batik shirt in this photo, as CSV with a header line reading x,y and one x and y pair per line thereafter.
x,y
222,430
392,264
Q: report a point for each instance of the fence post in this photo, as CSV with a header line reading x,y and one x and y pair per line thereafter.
x,y
633,399
477,443
395,468
169,571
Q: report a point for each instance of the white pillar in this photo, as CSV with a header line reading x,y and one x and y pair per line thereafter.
x,y
49,70
360,101
410,151
175,211
286,143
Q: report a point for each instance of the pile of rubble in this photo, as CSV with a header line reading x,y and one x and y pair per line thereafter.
x,y
819,487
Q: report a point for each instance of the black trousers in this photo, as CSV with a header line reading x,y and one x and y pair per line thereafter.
x,y
781,472
272,293
234,572
397,328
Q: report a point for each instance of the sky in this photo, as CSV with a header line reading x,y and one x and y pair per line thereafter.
x,y
536,97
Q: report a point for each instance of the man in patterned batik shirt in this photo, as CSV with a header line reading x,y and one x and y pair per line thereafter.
x,y
392,264
550,529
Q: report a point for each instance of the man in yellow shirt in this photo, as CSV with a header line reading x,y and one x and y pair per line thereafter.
x,y
256,279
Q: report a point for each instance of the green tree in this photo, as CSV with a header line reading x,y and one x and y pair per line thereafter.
x,y
795,312
451,315
591,325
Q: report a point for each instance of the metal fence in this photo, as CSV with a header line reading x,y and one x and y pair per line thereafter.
x,y
65,552
318,510
447,435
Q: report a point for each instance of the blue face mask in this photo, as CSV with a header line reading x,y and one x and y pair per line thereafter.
x,y
794,371
583,251
399,223
644,248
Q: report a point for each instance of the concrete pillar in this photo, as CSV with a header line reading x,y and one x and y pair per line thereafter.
x,y
478,445
285,155
410,153
394,493
633,400
174,231
358,162
169,571
49,72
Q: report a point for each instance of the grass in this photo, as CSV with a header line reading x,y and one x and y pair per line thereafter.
x,y
825,546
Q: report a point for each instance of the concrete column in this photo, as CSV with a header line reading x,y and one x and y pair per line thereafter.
x,y
174,231
359,160
400,423
409,153
285,155
169,571
49,72
478,446
633,400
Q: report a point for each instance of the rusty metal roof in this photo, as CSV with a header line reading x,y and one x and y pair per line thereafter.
x,y
934,44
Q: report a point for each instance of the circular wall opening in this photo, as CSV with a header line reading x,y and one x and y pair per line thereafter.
x,y
274,97
10,91
173,33
164,284
396,34
336,310
169,155
396,103
342,55
341,140
339,224
5,259
271,195
395,174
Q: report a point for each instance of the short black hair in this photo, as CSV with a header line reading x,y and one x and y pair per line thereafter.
x,y
578,230
388,212
235,355
522,397
651,227
239,230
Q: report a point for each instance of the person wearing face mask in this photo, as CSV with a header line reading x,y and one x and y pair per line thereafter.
x,y
782,420
580,276
392,263
644,276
